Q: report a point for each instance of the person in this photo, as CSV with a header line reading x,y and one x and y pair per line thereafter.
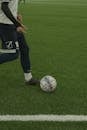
x,y
13,39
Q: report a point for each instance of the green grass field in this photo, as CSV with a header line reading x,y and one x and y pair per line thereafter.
x,y
57,36
42,126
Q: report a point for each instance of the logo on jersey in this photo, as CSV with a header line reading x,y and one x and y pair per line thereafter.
x,y
9,45
17,45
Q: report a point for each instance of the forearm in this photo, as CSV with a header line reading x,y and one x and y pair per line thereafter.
x,y
7,12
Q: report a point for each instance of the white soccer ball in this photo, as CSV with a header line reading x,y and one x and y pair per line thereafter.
x,y
48,83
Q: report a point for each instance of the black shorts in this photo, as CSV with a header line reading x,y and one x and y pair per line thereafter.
x,y
8,36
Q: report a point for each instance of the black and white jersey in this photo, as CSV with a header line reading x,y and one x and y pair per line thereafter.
x,y
13,6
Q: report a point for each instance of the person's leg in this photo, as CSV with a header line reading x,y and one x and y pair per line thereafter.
x,y
25,60
6,57
9,44
24,53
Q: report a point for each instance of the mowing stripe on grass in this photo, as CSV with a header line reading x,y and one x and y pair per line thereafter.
x,y
42,117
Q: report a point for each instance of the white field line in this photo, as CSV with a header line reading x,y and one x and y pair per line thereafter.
x,y
42,117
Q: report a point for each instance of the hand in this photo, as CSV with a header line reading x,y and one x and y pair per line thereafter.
x,y
21,29
19,17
